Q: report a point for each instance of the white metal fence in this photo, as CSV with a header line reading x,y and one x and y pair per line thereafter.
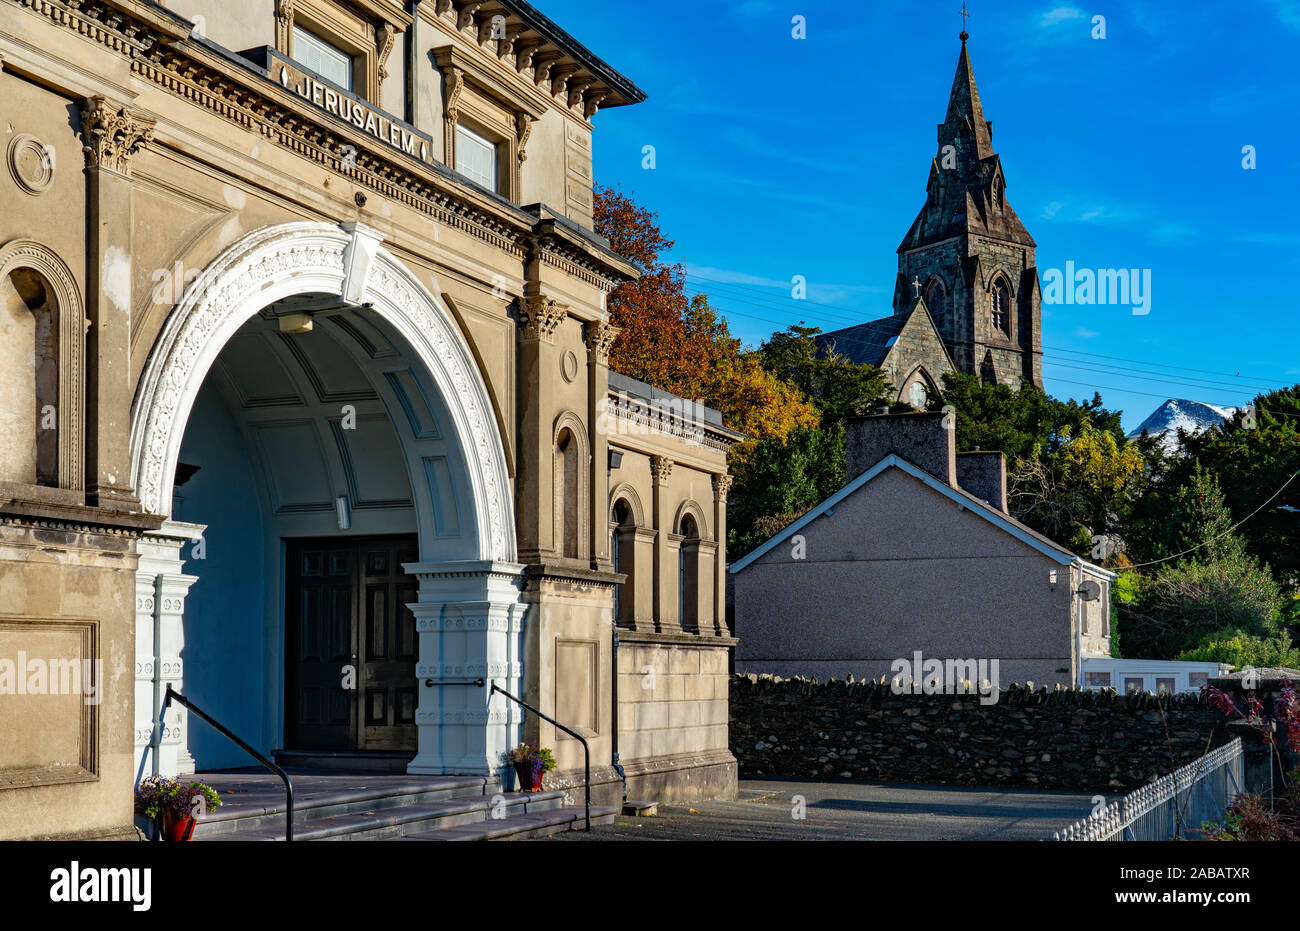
x,y
1172,807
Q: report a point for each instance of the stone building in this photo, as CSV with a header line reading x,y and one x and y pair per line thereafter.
x,y
970,258
917,553
308,414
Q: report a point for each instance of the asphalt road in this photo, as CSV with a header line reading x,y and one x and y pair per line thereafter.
x,y
766,809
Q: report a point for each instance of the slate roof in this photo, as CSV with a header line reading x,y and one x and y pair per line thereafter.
x,y
866,343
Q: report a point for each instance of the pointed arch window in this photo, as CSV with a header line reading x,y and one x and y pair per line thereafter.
x,y
1001,301
936,299
997,190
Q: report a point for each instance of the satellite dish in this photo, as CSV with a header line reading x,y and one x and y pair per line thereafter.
x,y
1090,590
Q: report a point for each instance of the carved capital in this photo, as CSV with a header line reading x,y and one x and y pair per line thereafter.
x,y
721,485
600,339
112,134
541,317
661,467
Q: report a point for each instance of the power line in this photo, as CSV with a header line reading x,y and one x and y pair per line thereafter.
x,y
765,301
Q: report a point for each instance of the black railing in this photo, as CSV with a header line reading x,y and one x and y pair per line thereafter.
x,y
225,732
586,750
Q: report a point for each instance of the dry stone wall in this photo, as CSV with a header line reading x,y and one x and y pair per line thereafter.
x,y
1048,739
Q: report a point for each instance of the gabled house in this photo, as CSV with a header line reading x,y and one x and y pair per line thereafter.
x,y
917,553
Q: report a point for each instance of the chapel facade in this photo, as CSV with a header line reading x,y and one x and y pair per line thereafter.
x,y
307,411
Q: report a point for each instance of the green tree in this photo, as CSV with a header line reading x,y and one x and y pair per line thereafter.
x,y
1214,586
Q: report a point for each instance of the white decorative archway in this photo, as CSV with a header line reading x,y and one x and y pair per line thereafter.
x,y
295,258
469,615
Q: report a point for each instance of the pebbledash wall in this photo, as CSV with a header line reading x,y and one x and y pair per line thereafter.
x,y
1058,739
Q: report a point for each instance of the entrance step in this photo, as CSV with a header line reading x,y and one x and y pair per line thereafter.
x,y
344,761
358,822
520,826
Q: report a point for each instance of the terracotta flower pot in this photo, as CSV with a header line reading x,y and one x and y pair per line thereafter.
x,y
176,828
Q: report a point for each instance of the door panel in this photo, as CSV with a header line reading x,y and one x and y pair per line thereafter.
x,y
346,606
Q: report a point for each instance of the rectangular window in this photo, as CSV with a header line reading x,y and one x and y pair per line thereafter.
x,y
1198,679
315,54
1164,686
1133,684
1097,679
476,158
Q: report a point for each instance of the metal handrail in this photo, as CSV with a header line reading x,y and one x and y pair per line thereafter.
x,y
224,731
586,750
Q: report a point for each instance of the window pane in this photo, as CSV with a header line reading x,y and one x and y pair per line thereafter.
x,y
1165,686
315,53
476,158
1097,679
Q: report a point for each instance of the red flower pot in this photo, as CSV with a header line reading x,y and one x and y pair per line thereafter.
x,y
176,828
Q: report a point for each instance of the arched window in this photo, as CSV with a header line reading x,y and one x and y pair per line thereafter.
x,y
917,396
568,500
997,190
936,298
688,574
1001,300
29,379
622,550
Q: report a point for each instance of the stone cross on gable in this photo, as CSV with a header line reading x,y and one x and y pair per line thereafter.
x,y
916,283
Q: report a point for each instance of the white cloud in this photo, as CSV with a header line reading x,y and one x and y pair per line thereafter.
x,y
1289,12
1060,14
1085,333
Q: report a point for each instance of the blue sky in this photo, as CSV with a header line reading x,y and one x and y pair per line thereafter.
x,y
777,157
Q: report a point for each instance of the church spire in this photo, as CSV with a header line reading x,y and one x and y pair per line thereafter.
x,y
965,121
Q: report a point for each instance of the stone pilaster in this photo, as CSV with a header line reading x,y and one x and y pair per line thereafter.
x,y
665,568
160,590
600,338
112,136
538,359
721,485
470,621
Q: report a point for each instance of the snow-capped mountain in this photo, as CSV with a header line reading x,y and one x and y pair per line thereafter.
x,y
1180,414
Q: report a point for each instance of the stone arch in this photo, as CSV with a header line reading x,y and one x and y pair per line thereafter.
x,y
569,485
68,331
918,374
280,261
625,492
938,299
691,507
1002,303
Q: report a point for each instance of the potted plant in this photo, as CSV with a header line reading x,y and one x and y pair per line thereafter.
x,y
531,763
174,805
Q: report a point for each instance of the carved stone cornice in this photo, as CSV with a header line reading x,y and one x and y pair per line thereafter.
x,y
721,485
591,102
661,467
541,316
112,134
600,339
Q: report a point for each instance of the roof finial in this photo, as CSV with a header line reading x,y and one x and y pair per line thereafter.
x,y
964,16
916,283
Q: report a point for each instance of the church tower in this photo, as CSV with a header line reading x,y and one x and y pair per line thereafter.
x,y
969,254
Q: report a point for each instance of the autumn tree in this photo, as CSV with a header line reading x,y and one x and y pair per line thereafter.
x,y
680,344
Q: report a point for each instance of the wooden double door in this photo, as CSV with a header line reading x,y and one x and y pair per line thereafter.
x,y
350,644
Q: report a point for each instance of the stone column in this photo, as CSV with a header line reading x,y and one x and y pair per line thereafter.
x,y
721,485
112,136
665,566
160,590
539,318
469,619
600,338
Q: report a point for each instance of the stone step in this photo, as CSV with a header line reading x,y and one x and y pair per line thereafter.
x,y
520,826
385,823
640,809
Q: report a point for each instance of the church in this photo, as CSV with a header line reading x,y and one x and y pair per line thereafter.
x,y
967,296
307,414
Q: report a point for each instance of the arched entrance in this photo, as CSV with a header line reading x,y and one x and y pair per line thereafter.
x,y
430,464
